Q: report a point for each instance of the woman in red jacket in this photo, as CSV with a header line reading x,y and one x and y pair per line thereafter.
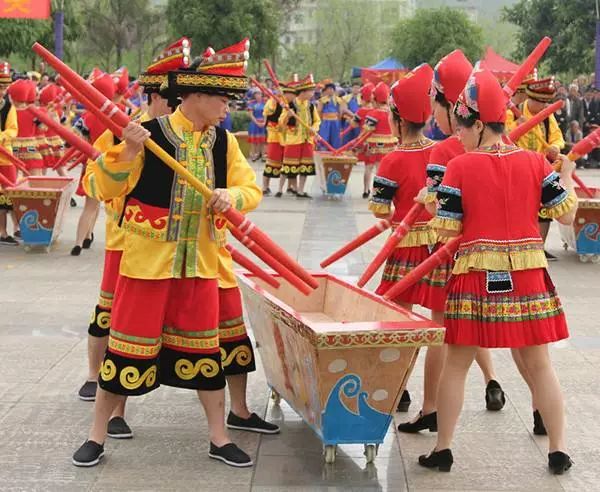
x,y
500,294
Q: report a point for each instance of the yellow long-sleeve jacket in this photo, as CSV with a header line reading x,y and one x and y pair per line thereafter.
x,y
10,131
115,235
271,112
183,240
536,139
294,132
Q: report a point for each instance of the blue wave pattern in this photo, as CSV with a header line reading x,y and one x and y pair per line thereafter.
x,y
32,231
588,239
340,425
335,185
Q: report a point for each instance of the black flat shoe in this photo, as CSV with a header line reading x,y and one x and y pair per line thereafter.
x,y
539,429
559,462
278,194
404,402
428,421
89,454
366,194
442,460
76,251
494,396
73,202
88,242
230,454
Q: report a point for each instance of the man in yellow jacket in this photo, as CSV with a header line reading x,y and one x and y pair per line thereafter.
x,y
546,137
8,130
165,318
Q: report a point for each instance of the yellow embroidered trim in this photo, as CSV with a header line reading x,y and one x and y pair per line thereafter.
x,y
235,331
130,377
133,348
211,81
431,197
561,209
502,262
380,208
241,354
419,236
186,342
445,223
187,370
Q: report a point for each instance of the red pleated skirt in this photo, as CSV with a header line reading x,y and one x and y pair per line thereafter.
x,y
429,292
529,315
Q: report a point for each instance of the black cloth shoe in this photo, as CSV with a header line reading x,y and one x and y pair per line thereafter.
x,y
88,242
291,191
266,192
549,256
89,454
278,194
118,429
559,462
17,235
366,194
73,202
252,424
303,195
442,460
231,455
494,396
88,391
428,421
404,402
539,429
9,241
76,251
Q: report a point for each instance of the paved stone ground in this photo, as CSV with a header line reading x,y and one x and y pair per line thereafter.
x,y
46,301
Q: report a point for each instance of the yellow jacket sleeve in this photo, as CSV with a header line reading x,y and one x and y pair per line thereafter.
x,y
269,108
316,122
510,123
241,179
11,127
107,177
556,136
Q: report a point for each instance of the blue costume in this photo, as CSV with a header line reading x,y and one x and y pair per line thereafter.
x,y
330,121
353,103
257,134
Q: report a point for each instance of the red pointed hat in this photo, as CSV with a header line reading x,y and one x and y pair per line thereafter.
x,y
450,75
290,85
121,80
306,84
543,90
22,91
5,77
176,56
48,94
96,72
381,93
366,92
410,95
215,72
482,96
105,84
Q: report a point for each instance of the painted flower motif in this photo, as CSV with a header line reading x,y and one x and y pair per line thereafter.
x,y
462,110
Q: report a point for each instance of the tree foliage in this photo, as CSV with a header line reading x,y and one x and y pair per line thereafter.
x,y
220,23
433,33
347,34
18,35
571,25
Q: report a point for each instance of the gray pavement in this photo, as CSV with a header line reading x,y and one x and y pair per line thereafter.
x,y
45,304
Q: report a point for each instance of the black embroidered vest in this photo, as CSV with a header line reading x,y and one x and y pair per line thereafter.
x,y
157,181
4,113
292,121
274,118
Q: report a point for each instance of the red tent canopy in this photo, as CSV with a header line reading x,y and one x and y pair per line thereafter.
x,y
500,67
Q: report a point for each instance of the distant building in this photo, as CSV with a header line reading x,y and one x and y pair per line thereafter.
x,y
302,27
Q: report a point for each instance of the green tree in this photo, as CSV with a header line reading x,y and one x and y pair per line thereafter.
x,y
571,26
18,35
220,23
432,33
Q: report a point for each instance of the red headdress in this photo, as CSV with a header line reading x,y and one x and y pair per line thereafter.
x,y
366,92
410,95
174,57
482,96
450,75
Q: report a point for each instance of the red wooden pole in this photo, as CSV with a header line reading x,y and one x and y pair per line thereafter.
x,y
252,267
18,163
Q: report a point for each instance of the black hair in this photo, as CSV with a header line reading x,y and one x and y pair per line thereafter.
x,y
440,98
470,121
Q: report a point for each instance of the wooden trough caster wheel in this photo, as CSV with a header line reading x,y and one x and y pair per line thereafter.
x,y
584,258
27,249
276,397
370,452
330,452
595,259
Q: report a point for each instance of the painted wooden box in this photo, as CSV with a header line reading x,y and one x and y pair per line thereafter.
x,y
40,203
334,172
340,356
584,235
